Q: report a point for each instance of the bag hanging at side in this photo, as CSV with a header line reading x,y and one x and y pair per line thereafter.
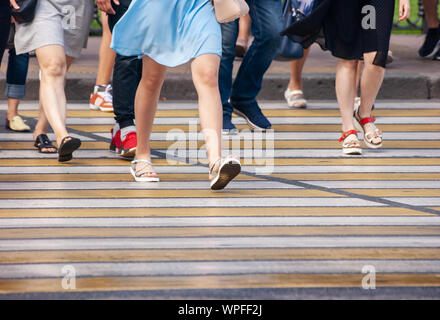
x,y
288,49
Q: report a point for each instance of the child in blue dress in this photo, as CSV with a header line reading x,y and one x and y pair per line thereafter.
x,y
167,34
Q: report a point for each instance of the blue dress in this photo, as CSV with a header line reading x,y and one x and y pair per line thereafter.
x,y
171,32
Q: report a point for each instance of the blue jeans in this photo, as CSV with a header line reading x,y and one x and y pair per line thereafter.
x,y
267,24
16,74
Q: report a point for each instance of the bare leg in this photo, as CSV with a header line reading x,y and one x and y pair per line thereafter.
x,y
346,91
372,78
12,108
431,13
147,97
296,69
205,76
106,54
358,76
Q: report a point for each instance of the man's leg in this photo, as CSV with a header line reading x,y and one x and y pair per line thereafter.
x,y
229,38
266,18
431,46
127,73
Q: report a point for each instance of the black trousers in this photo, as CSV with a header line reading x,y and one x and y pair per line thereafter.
x,y
127,73
5,24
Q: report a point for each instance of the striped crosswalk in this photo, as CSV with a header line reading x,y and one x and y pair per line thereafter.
x,y
299,216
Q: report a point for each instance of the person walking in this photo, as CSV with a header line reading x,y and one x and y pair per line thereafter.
x,y
240,96
349,38
127,74
57,39
168,34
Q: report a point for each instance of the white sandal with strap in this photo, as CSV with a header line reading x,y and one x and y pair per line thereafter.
x,y
295,98
228,169
139,176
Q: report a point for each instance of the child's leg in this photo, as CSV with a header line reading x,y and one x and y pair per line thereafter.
x,y
205,76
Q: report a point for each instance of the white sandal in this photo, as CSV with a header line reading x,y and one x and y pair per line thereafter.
x,y
139,176
228,169
369,136
295,98
351,147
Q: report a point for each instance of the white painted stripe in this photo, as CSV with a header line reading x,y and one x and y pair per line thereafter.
x,y
28,137
419,201
180,222
199,169
277,153
186,203
164,185
220,242
378,184
312,104
20,271
273,120
388,136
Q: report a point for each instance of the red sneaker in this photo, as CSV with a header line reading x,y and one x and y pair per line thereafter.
x,y
129,144
116,143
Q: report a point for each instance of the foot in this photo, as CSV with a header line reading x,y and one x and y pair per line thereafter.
x,y
251,112
295,98
128,142
43,144
350,143
431,45
142,171
228,127
16,123
66,148
102,98
222,171
372,135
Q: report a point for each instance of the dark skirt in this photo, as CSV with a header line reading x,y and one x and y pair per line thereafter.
x,y
345,29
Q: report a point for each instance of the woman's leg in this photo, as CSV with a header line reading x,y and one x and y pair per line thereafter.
x,y
371,81
147,97
296,69
346,91
205,76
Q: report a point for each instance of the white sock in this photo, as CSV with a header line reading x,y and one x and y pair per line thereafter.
x,y
115,129
127,130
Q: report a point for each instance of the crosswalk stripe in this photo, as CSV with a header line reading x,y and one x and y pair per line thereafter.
x,y
220,282
225,254
140,232
210,212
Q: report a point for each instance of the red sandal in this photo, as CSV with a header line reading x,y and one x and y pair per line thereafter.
x,y
351,147
370,135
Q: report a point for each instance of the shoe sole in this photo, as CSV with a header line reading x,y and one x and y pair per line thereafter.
x,y
227,172
98,108
127,153
252,125
352,151
67,153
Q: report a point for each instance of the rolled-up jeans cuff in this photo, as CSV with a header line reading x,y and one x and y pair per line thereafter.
x,y
15,91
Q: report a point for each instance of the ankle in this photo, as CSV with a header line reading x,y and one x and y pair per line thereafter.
x,y
10,115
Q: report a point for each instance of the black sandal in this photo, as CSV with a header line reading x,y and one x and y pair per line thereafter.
x,y
43,142
67,147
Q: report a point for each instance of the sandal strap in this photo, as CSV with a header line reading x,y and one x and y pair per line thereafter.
x,y
211,167
364,121
138,172
43,141
346,134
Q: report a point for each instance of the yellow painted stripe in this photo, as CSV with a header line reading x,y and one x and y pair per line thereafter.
x,y
214,254
269,113
109,177
249,144
36,233
219,282
357,176
257,161
278,127
121,193
208,212
397,192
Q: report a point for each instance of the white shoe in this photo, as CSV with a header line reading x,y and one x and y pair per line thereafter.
x,y
295,98
228,169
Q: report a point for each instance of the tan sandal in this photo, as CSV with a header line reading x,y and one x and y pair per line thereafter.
x,y
227,170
